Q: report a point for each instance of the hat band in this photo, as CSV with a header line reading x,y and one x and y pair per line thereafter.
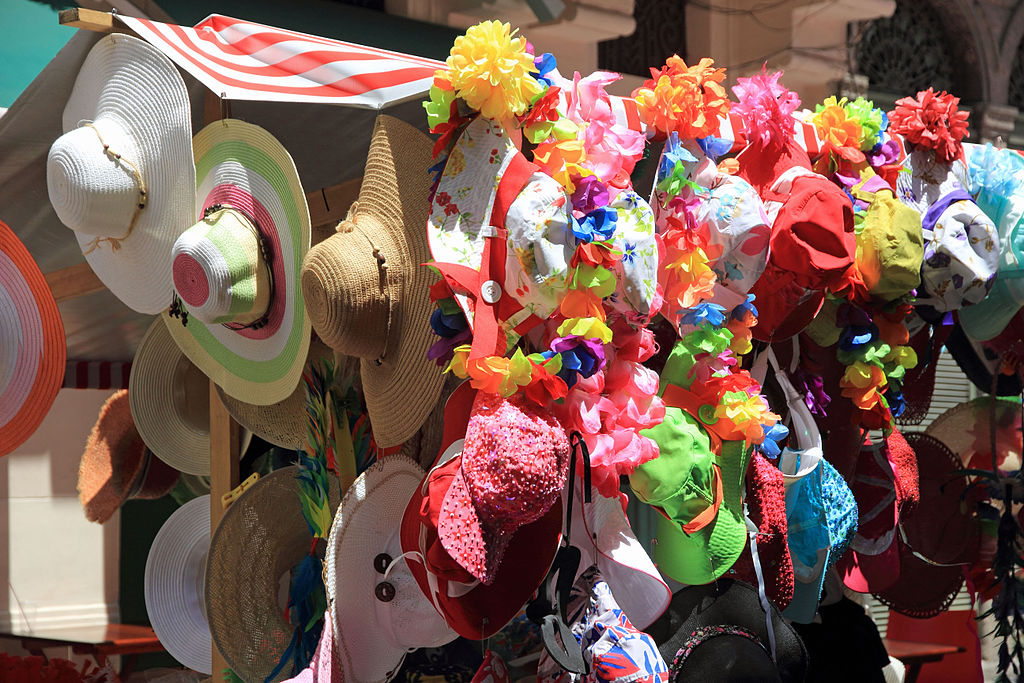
x,y
115,242
704,634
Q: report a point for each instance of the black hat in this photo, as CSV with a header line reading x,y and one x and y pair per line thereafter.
x,y
980,363
718,632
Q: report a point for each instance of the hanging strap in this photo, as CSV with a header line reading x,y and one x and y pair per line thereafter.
x,y
761,592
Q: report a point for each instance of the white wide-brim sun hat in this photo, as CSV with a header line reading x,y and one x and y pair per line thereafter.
x,y
379,611
174,585
122,176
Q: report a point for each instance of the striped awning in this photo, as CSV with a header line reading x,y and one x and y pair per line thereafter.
x,y
243,60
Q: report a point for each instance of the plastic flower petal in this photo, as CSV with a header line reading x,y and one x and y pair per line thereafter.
x,y
766,107
490,69
586,327
689,100
872,120
931,121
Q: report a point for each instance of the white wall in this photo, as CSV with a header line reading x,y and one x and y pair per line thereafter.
x,y
61,570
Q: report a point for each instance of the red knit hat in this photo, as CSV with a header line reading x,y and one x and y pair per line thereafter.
x,y
766,508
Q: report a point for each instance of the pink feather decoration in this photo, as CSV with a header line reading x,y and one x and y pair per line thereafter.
x,y
766,107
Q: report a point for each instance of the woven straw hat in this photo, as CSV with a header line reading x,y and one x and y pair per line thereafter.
x,y
236,271
33,349
170,402
116,465
260,539
965,430
175,572
284,424
378,609
122,176
366,292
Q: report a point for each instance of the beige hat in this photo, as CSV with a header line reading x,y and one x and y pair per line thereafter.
x,y
122,176
260,539
170,402
284,424
367,294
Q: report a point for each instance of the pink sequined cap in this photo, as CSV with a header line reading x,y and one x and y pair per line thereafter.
x,y
514,464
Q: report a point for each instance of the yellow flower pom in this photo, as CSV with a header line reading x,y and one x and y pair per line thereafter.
x,y
490,70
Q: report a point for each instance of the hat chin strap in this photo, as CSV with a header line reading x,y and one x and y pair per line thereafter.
x,y
761,594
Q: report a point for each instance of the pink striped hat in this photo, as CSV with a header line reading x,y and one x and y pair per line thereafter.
x,y
240,314
32,344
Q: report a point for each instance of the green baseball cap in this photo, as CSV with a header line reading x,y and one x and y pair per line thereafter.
x,y
702,530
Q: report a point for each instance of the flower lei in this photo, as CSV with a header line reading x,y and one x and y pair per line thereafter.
x,y
585,363
931,121
874,350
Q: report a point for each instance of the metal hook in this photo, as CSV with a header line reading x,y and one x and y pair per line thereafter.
x,y
225,108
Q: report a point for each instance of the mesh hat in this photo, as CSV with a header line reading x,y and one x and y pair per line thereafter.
x,y
116,465
701,530
379,611
259,540
236,270
33,348
122,176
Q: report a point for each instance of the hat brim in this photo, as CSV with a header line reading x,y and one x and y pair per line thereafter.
x,y
735,603
485,609
170,400
372,636
404,377
33,349
864,573
609,542
131,82
262,536
243,166
705,555
174,585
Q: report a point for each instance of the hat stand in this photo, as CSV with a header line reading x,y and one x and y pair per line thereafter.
x,y
327,206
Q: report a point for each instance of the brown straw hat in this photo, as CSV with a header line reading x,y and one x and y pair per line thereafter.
x,y
260,539
115,464
367,294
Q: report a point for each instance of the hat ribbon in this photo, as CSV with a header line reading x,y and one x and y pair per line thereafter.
x,y
489,309
762,595
115,242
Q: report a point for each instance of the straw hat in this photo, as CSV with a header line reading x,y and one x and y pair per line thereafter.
x,y
175,572
284,423
379,611
236,271
122,176
965,430
170,402
116,466
260,539
32,345
366,292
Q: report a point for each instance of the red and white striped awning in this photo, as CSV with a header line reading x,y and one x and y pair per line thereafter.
x,y
243,60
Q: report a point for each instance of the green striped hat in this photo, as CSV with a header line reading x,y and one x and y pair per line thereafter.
x,y
240,316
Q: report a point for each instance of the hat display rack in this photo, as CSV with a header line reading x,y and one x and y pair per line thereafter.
x,y
786,250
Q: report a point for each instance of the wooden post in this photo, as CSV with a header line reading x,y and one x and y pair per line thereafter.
x,y
224,445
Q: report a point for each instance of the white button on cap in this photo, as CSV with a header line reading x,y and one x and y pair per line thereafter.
x,y
490,291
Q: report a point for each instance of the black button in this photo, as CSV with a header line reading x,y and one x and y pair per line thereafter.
x,y
384,591
382,562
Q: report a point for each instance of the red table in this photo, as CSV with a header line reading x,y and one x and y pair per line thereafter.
x,y
915,655
98,642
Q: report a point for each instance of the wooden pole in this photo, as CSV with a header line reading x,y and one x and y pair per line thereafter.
x,y
224,445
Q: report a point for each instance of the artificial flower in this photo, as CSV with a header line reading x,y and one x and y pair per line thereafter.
x,y
840,135
545,387
766,107
581,303
688,100
773,435
440,101
597,225
595,254
585,327
443,350
539,121
581,357
490,69
704,311
931,121
544,65
589,194
633,344
872,120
